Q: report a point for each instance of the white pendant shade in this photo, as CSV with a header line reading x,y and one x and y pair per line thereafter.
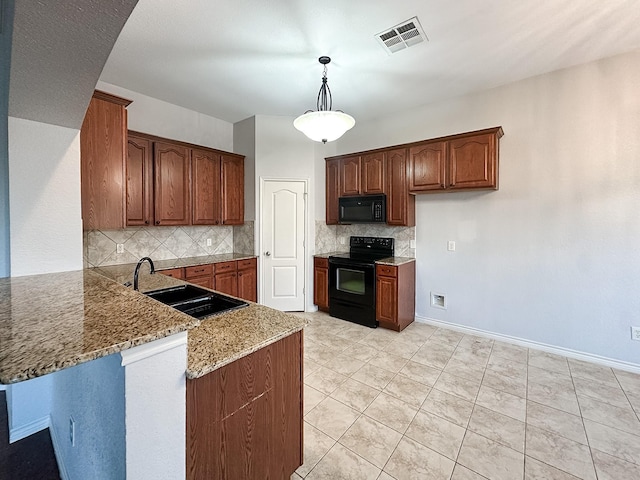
x,y
324,126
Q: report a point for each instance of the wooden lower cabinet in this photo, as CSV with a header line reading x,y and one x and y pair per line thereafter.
x,y
395,295
200,275
173,272
248,279
226,278
321,283
244,420
235,277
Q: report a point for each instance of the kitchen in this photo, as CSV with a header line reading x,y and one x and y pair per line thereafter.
x,y
550,258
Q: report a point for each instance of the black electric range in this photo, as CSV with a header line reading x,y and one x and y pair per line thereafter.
x,y
352,279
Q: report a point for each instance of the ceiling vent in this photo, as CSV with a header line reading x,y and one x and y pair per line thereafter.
x,y
404,35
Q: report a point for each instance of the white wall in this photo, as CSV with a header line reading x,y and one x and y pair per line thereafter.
x,y
156,117
283,152
244,143
93,394
552,257
44,195
28,406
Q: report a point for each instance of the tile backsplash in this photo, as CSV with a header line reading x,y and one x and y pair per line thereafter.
x,y
164,243
328,237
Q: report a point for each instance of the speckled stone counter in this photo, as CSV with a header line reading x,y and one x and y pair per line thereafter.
x,y
55,321
124,272
225,338
395,260
384,261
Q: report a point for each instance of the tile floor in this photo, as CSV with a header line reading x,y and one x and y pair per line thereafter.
x,y
432,403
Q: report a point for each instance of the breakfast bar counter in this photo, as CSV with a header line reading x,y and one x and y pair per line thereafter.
x,y
54,321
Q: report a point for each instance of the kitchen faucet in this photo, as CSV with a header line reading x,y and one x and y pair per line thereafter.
x,y
137,270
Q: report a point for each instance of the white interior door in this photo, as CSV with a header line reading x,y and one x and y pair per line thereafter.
x,y
282,242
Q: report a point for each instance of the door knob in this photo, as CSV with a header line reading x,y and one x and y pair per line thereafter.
x,y
267,254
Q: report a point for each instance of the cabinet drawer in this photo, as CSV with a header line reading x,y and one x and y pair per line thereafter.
x,y
248,263
226,266
320,262
173,272
198,271
386,271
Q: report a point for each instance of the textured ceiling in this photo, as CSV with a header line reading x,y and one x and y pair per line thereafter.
x,y
236,58
58,51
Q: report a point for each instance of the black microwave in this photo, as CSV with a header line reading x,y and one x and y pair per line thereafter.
x,y
365,209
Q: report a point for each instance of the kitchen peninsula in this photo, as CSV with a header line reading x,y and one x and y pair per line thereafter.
x,y
53,322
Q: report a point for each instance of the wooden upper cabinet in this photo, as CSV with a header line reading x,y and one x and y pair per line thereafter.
x,y
232,188
139,181
172,184
103,145
332,182
350,176
473,162
400,204
373,174
205,168
427,166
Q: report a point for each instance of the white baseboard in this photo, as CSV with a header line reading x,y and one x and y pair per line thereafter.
x,y
57,442
23,431
578,355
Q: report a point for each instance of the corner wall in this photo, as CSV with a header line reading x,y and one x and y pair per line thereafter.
x,y
552,257
6,29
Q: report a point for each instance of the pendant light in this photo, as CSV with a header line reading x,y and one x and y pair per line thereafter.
x,y
324,125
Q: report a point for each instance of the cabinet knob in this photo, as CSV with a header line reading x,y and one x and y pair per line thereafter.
x,y
217,222
146,222
267,254
157,222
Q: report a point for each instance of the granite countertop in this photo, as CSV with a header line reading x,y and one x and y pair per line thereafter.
x,y
384,261
54,321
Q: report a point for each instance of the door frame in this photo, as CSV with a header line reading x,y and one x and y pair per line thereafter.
x,y
305,248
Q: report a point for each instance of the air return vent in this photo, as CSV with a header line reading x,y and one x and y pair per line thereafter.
x,y
403,35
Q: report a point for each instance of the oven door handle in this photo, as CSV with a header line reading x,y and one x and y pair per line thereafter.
x,y
344,262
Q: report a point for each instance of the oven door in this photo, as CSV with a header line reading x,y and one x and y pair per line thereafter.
x,y
352,294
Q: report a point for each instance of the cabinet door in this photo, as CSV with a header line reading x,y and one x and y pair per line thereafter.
x,y
373,174
205,187
139,181
226,278
386,299
232,187
332,191
427,167
350,176
248,279
172,184
321,283
102,165
473,162
401,206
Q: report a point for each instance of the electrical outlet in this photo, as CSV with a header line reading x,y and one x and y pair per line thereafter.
x,y
72,431
412,244
451,246
119,247
635,333
208,242
342,240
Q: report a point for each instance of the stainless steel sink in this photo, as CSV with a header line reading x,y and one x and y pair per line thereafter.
x,y
196,301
